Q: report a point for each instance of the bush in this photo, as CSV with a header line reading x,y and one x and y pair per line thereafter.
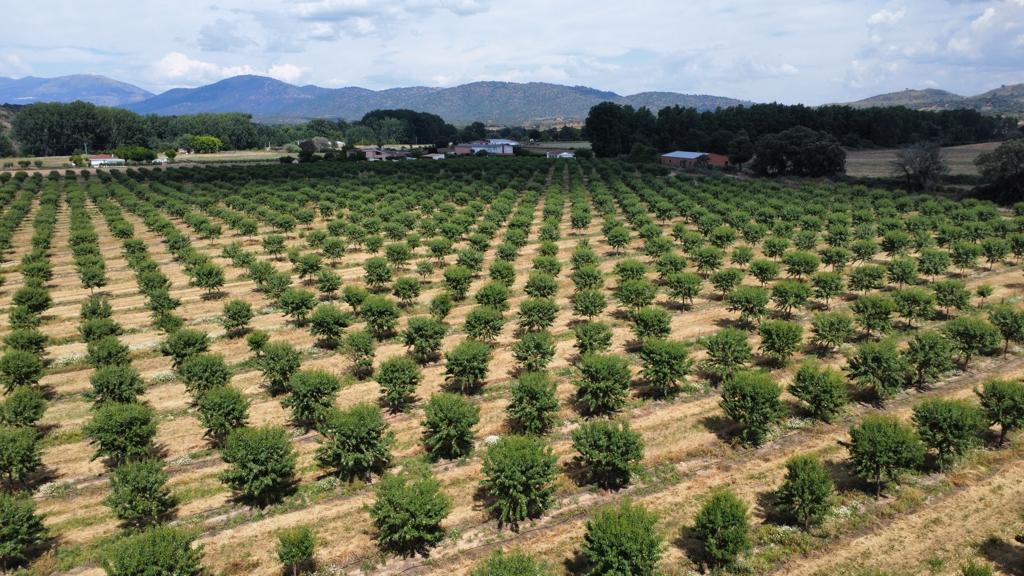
x,y
328,322
117,383
91,330
592,337
312,395
380,315
652,322
831,330
515,563
354,296
448,425
665,364
609,451
398,378
121,431
604,382
457,280
34,298
635,294
950,427
534,350
408,513
21,530
806,495
466,366
107,351
261,463
1003,404
622,540
533,406
19,368
357,442
752,400
723,527
184,343
297,303
929,354
201,372
822,389
789,295
139,494
19,453
295,549
423,337
484,323
359,348
537,314
880,366
972,336
221,410
441,305
727,351
24,406
158,550
278,362
882,447
238,315
519,473
541,285
873,312
588,303
29,340
94,307
780,340
493,294
750,301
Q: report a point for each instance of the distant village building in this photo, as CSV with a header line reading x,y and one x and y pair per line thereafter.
x,y
97,160
687,159
374,154
563,154
491,146
434,156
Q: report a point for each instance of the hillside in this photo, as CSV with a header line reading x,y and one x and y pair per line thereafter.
x,y
98,90
492,102
1003,100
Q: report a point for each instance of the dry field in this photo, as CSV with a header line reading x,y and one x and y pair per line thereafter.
x,y
930,524
878,163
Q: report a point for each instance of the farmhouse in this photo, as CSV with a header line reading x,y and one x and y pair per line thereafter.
x,y
374,154
493,147
687,159
563,154
97,160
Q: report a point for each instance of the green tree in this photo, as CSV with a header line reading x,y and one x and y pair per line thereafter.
x,y
380,315
665,364
830,330
950,427
237,315
118,383
752,400
21,529
398,378
121,432
157,550
873,312
201,372
806,494
19,453
1003,404
723,527
466,366
789,295
297,303
295,549
622,540
881,448
261,463
328,322
880,366
604,382
534,350
138,493
278,362
533,407
519,474
822,389
929,355
312,396
356,443
221,410
750,301
610,452
448,425
484,323
23,407
1010,323
972,336
19,368
780,340
727,351
183,343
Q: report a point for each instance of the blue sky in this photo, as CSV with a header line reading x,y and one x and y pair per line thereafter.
x,y
785,50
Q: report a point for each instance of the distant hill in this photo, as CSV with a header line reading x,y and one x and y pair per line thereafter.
x,y
1008,100
489,102
99,90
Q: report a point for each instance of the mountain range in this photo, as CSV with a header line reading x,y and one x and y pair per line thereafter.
x,y
270,100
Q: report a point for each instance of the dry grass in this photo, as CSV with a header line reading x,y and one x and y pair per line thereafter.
x,y
878,163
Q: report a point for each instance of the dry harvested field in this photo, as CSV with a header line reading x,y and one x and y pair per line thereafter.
x,y
169,249
878,163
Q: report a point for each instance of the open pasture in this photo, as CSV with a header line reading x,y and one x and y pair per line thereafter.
x,y
322,252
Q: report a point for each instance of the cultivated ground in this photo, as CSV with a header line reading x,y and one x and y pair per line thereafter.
x,y
878,163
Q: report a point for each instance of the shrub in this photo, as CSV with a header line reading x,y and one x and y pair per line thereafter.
x,y
457,280
610,452
21,530
278,362
519,473
622,540
256,340
32,340
261,463
951,294
588,303
158,550
515,563
929,354
537,314
34,298
107,351
727,351
466,365
830,330
879,365
534,350
19,453
635,294
882,447
652,322
297,303
441,305
493,294
950,427
116,383
377,272
91,330
221,410
398,378
121,431
592,337
665,364
750,301
752,400
139,494
604,382
380,315
533,406
822,389
723,527
406,289
764,270
780,340
408,512
184,343
972,336
354,296
484,323
448,425
94,307
726,280
806,494
312,395
1003,404
503,272
24,406
201,372
359,348
357,442
295,549
328,322
19,368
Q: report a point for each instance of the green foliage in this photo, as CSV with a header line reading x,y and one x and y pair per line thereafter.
x,y
929,354
727,351
398,378
221,410
652,322
183,343
312,396
610,452
116,383
881,448
24,406
519,474
806,494
32,340
750,301
822,389
107,351
484,323
201,372
603,383
19,453
121,432
665,365
138,493
19,368
723,527
448,425
515,563
328,322
408,512
950,427
752,400
830,330
295,548
873,312
971,336
297,303
789,295
533,407
380,315
1003,404
780,340
157,550
534,350
622,539
261,463
357,442
635,294
588,303
466,366
359,348
21,529
457,280
277,363
880,366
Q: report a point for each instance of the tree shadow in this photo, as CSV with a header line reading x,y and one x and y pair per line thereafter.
x,y
844,478
1005,555
691,546
213,295
768,505
722,427
576,564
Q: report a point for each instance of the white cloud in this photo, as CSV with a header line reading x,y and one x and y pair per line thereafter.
x,y
286,72
886,17
177,69
13,65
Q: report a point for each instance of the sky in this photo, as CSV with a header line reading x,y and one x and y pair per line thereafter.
x,y
784,50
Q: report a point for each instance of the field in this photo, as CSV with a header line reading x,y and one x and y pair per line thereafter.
x,y
55,162
162,235
878,163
